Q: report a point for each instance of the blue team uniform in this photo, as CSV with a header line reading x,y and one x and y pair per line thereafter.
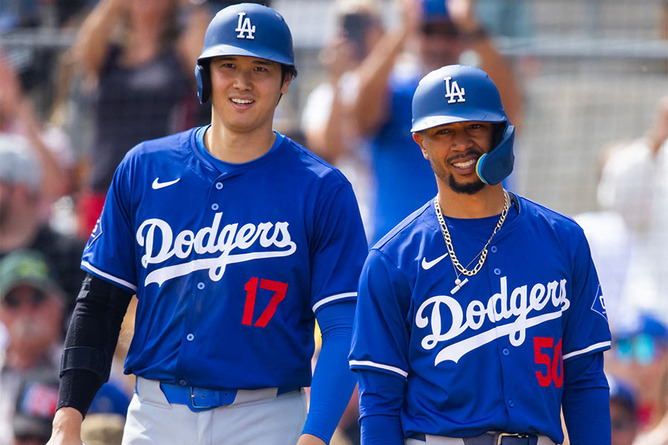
x,y
228,279
489,356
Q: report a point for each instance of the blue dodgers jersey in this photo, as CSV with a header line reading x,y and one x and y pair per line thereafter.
x,y
488,356
229,262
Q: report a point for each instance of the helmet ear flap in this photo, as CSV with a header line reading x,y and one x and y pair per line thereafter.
x,y
203,78
495,166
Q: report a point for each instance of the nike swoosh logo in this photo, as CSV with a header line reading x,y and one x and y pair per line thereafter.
x,y
426,265
159,185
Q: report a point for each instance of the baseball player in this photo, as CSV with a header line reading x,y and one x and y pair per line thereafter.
x,y
480,316
234,239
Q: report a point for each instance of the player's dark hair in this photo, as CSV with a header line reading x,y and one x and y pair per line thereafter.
x,y
288,69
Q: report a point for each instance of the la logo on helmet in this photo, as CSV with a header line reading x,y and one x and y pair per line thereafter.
x,y
452,90
244,27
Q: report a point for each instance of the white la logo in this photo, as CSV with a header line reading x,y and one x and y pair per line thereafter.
x,y
244,28
452,90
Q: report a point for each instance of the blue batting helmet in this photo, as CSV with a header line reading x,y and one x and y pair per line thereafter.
x,y
458,93
245,29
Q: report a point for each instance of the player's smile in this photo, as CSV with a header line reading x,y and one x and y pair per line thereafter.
x,y
465,163
245,91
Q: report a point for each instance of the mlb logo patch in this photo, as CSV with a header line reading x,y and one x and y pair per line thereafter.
x,y
95,234
599,304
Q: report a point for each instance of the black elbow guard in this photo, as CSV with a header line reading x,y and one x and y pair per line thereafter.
x,y
87,359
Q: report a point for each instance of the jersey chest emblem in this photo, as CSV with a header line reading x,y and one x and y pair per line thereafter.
x,y
171,255
511,315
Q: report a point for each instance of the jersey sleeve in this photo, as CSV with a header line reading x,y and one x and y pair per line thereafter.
x,y
380,332
586,330
110,251
339,249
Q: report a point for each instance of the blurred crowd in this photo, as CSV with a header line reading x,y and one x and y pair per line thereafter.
x,y
66,121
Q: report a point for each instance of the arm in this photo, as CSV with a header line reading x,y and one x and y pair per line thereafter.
x,y
586,401
89,348
94,37
326,130
462,13
369,108
381,396
333,382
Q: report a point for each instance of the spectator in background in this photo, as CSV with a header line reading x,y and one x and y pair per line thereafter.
x,y
634,183
640,356
137,61
31,310
21,227
623,411
51,145
34,410
444,31
328,125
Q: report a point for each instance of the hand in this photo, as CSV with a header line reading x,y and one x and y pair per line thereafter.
x,y
306,439
411,16
337,58
462,14
66,427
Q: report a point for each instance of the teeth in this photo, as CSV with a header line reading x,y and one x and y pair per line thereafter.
x,y
466,164
242,101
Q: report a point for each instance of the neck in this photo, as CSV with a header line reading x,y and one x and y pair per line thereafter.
x,y
487,202
237,148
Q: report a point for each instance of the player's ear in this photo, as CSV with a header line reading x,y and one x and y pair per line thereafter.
x,y
419,139
286,83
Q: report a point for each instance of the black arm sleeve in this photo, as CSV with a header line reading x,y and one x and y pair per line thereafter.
x,y
95,326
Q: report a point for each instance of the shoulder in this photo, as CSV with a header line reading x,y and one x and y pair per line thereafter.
x,y
172,145
295,156
409,236
539,216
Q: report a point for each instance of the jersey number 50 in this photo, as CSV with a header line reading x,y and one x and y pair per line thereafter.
x,y
554,364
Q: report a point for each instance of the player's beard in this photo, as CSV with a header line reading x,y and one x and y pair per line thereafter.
x,y
469,188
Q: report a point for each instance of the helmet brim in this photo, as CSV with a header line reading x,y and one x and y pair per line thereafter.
x,y
231,50
442,119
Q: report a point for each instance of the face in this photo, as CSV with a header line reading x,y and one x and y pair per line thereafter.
x,y
33,320
453,151
245,92
643,359
439,45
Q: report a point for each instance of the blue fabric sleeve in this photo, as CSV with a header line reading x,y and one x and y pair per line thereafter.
x,y
333,382
586,401
381,398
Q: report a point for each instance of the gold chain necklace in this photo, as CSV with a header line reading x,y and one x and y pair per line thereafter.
x,y
483,253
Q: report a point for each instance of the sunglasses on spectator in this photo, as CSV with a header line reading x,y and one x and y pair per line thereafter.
x,y
642,348
14,299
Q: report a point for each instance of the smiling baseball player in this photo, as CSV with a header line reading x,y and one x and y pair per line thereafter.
x,y
480,316
234,239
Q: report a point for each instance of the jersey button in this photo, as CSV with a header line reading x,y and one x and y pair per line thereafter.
x,y
493,249
497,271
511,403
506,352
190,337
219,185
183,382
214,207
200,285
